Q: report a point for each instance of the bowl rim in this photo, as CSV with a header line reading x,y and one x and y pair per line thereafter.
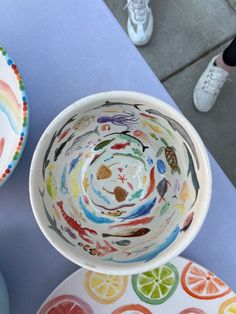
x,y
179,244
13,161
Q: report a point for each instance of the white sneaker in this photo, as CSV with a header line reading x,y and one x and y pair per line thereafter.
x,y
209,86
140,21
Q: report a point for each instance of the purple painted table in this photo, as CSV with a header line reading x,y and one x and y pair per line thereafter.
x,y
67,50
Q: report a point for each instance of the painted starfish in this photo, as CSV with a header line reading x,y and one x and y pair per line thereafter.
x,y
122,178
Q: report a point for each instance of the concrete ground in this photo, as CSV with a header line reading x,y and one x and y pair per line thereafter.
x,y
187,34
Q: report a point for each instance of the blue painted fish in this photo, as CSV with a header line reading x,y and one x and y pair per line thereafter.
x,y
78,142
161,166
63,188
162,189
70,233
92,216
74,162
142,210
176,188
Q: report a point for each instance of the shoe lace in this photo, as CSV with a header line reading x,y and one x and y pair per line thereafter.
x,y
214,82
138,8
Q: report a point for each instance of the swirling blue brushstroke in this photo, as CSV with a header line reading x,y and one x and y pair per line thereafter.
x,y
150,255
93,217
99,194
141,210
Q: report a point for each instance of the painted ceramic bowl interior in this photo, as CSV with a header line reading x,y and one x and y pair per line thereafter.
x,y
13,115
120,181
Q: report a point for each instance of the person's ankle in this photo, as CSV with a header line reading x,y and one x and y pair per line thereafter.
x,y
220,63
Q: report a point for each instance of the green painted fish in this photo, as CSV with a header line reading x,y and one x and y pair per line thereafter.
x,y
164,208
137,152
132,156
137,194
103,144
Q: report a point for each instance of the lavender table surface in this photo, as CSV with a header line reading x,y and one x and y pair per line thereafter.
x,y
66,50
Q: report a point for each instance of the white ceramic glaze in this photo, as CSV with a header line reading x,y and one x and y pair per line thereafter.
x,y
178,287
120,182
13,115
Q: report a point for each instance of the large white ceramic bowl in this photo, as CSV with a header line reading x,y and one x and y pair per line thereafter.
x,y
120,182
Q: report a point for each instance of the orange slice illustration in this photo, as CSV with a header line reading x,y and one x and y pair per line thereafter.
x,y
202,284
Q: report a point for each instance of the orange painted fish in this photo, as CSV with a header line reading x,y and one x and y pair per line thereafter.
x,y
151,185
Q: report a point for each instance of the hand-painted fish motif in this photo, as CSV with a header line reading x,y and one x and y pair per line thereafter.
x,y
70,233
176,188
136,151
142,210
161,166
119,192
187,222
164,208
127,119
132,233
122,242
151,185
162,189
64,134
96,156
85,182
52,221
141,135
140,221
78,142
46,161
184,192
111,104
74,162
125,136
83,123
61,147
136,194
51,183
92,216
63,188
2,143
120,145
154,136
180,129
103,144
153,127
131,156
83,232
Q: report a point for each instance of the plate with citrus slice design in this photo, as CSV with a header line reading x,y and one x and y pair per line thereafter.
x,y
178,287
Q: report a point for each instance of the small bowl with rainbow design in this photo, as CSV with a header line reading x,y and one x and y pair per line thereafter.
x,y
13,115
120,182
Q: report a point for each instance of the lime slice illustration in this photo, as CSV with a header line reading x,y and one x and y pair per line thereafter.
x,y
156,286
